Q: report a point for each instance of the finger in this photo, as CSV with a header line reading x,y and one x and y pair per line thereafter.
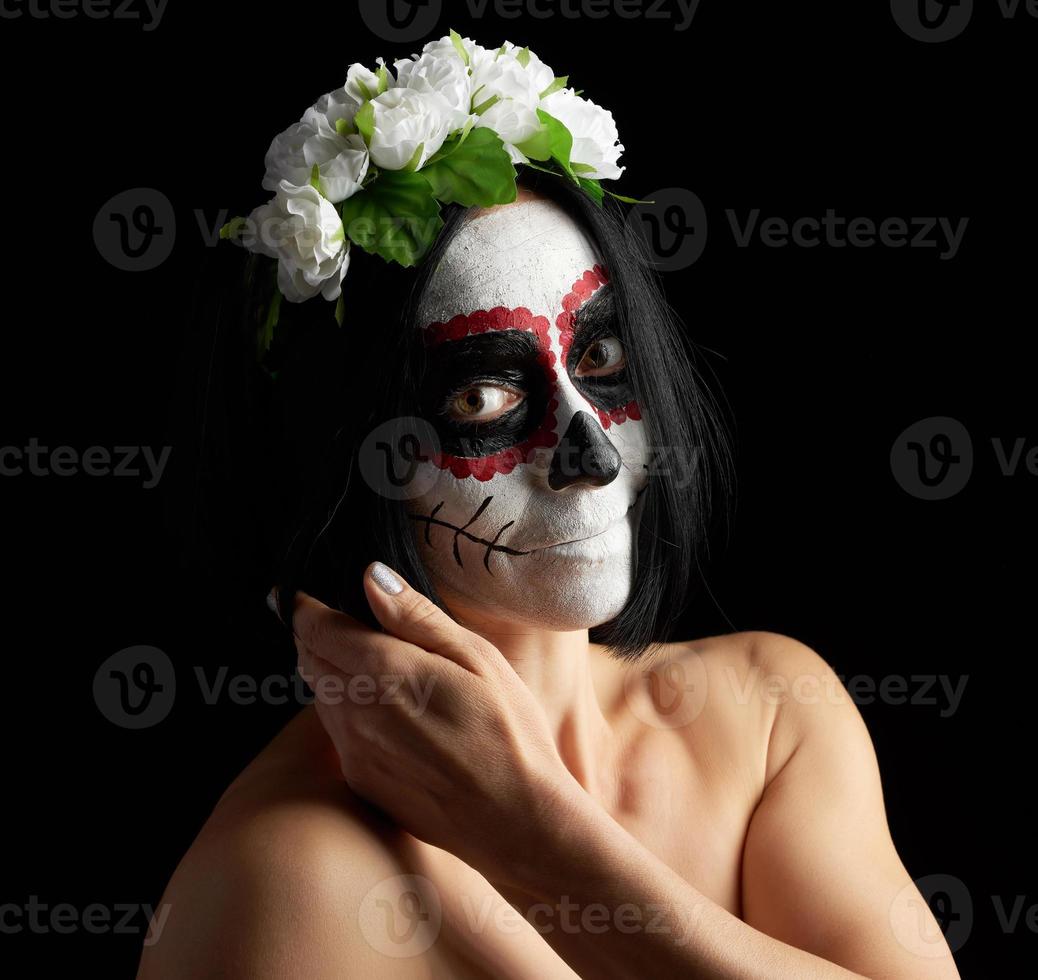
x,y
345,642
413,617
331,686
334,688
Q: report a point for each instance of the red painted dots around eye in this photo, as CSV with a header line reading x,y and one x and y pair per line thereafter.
x,y
580,293
480,321
520,318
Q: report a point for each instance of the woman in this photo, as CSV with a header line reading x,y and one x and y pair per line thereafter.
x,y
480,790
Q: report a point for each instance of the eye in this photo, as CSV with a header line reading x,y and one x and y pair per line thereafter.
x,y
482,403
602,358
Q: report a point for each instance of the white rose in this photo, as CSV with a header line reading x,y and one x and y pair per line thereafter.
x,y
506,78
541,76
303,231
595,139
513,122
405,120
444,75
517,88
342,161
444,48
362,83
330,108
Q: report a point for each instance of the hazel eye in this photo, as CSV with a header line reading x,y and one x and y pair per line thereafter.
x,y
483,403
603,358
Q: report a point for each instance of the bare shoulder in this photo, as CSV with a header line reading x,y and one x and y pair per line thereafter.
x,y
758,653
808,702
820,832
739,688
278,879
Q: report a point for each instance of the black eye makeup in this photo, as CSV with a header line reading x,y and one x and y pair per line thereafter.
x,y
597,357
485,392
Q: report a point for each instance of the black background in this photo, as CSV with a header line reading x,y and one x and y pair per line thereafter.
x,y
825,355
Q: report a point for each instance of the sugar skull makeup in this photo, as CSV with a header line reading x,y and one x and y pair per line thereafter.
x,y
532,507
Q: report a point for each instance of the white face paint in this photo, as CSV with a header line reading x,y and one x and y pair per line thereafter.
x,y
501,528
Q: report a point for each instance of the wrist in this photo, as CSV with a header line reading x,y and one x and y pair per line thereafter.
x,y
568,828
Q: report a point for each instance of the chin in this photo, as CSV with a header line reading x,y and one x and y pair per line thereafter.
x,y
563,593
569,615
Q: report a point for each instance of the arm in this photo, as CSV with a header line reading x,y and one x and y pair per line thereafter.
x,y
475,771
820,832
286,890
824,891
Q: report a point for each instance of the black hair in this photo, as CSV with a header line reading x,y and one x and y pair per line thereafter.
x,y
277,487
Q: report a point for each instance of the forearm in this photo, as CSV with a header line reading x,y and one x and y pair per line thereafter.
x,y
610,908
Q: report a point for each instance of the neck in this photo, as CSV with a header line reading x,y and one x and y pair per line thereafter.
x,y
557,667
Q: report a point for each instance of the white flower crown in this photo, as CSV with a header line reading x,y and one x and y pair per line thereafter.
x,y
370,163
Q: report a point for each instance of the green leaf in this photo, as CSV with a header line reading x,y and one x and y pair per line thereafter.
x,y
412,164
593,189
555,172
344,128
560,140
478,172
446,148
466,129
266,334
582,168
538,146
483,106
396,217
233,228
383,79
315,178
450,144
628,200
561,81
523,57
364,120
543,170
456,40
340,309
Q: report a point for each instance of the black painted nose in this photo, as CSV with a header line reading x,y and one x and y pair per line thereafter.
x,y
585,455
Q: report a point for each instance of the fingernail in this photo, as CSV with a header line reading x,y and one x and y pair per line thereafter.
x,y
385,579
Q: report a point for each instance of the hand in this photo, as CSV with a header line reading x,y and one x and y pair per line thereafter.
x,y
433,725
